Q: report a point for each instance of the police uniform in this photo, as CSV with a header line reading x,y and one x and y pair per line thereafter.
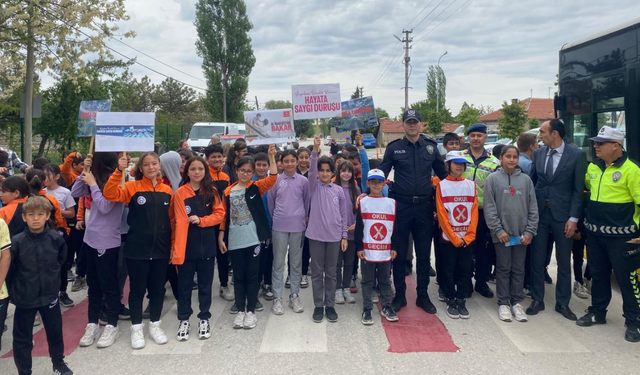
x,y
413,164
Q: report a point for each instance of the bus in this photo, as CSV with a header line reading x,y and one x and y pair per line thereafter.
x,y
599,84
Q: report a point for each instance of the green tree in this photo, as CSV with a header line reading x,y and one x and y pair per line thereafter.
x,y
381,113
511,125
436,86
173,100
468,116
227,56
358,93
534,123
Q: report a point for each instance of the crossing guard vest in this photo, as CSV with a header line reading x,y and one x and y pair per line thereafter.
x,y
378,217
479,173
458,198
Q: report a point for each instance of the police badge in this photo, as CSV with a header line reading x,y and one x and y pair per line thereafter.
x,y
430,149
616,176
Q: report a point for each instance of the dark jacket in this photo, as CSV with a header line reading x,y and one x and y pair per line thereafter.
x,y
36,261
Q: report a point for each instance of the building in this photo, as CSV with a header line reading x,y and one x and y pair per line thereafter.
x,y
541,109
391,130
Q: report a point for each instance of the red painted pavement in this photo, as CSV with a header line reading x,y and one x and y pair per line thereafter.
x,y
416,331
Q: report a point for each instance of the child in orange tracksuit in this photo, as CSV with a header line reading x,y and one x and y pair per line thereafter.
x,y
457,207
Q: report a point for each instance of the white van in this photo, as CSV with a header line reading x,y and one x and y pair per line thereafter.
x,y
201,133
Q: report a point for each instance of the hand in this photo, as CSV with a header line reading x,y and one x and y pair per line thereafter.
x,y
222,246
194,219
504,238
358,200
3,170
123,163
462,244
570,229
361,254
358,139
351,229
88,161
394,254
80,225
577,236
316,143
344,244
526,240
272,152
89,179
78,155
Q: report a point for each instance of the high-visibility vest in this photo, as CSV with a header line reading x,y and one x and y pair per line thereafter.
x,y
378,216
479,173
457,198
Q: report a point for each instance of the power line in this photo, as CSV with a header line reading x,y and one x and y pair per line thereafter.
x,y
445,20
414,18
434,20
432,10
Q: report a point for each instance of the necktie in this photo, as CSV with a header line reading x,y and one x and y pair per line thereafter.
x,y
549,170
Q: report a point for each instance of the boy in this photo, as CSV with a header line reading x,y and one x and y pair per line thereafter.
x,y
261,170
37,256
376,238
451,142
5,262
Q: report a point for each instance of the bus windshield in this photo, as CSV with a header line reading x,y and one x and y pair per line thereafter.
x,y
205,132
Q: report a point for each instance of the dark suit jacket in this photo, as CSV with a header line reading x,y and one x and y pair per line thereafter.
x,y
564,191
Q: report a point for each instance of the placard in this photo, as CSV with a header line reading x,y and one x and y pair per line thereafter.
x,y
316,101
125,131
269,126
357,114
87,116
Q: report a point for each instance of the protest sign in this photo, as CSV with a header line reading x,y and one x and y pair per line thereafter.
x,y
357,113
269,126
87,116
125,131
316,101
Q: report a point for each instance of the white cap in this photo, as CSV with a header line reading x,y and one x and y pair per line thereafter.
x,y
609,134
375,174
456,157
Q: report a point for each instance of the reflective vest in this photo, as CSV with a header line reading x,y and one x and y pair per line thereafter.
x,y
378,217
479,173
458,198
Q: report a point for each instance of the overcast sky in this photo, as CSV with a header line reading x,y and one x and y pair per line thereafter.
x,y
497,49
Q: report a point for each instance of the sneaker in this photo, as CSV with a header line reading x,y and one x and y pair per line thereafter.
x,y
390,314
375,296
339,298
432,272
124,313
108,336
233,309
492,279
259,306
526,292
268,292
590,319
156,333
137,336
37,321
287,284
353,288
367,320
580,291
183,331
78,284
518,312
441,296
91,333
250,320
452,309
587,285
462,309
64,299
102,320
238,322
348,298
295,304
318,314
147,312
277,308
70,276
632,334
204,329
195,285
226,293
504,313
304,283
62,369
332,315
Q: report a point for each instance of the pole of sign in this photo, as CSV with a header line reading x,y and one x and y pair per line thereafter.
x,y
317,127
124,174
91,145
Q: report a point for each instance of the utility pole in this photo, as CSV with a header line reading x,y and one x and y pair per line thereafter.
x,y
407,59
257,106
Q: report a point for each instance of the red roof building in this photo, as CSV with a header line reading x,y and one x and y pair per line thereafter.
x,y
541,109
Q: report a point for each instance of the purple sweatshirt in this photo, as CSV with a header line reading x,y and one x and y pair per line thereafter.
x,y
103,227
328,216
288,202
351,216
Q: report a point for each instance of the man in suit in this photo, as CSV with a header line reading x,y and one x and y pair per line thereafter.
x,y
557,172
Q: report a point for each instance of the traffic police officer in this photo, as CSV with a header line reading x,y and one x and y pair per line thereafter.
x,y
413,159
612,219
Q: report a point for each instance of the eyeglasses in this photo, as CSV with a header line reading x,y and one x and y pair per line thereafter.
x,y
245,171
602,143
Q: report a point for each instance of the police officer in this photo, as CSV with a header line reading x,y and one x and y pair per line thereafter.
x,y
413,157
612,219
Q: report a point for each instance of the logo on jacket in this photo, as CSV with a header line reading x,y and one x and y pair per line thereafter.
x,y
460,213
188,208
53,304
253,196
256,251
399,151
430,149
101,252
378,231
141,200
336,201
283,183
166,203
616,176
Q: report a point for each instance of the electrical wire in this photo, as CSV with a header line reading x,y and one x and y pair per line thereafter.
x,y
445,20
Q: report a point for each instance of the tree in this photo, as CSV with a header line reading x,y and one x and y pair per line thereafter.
x,y
534,123
436,87
301,126
511,125
227,56
381,113
468,116
358,93
54,35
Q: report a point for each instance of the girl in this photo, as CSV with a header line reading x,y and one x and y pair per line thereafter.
x,y
101,246
235,153
14,192
244,229
327,232
198,209
338,159
345,178
149,240
303,161
511,211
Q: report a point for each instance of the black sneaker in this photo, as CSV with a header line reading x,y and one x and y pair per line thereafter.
x,y
332,315
590,319
633,332
70,276
432,272
425,304
65,301
398,303
484,290
462,309
367,320
318,314
78,284
234,309
441,296
146,313
62,369
390,314
452,309
124,313
259,306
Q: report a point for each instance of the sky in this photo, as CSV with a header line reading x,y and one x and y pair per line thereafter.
x,y
496,49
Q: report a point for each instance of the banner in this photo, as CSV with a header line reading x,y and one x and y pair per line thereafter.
x,y
356,114
87,116
316,101
125,131
269,126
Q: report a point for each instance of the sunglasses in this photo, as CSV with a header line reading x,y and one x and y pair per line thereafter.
x,y
602,143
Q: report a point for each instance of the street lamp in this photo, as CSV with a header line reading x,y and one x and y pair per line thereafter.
x,y
438,83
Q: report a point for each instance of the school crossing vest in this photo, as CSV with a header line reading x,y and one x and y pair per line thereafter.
x,y
457,198
378,216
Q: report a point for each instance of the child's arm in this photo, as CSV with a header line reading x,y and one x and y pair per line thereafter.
x,y
112,190
471,231
79,188
271,199
68,213
313,172
443,220
5,252
364,167
358,234
266,183
217,214
394,235
62,251
66,170
343,213
491,213
61,223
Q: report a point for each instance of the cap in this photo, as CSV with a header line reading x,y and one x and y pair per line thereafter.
x,y
481,128
348,138
411,114
609,134
375,174
456,157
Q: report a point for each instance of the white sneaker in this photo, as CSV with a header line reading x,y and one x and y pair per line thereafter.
x,y
226,293
347,296
277,308
375,296
156,333
137,336
587,285
339,298
580,291
108,336
518,312
295,304
204,330
183,331
37,321
504,313
91,333
250,320
238,322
